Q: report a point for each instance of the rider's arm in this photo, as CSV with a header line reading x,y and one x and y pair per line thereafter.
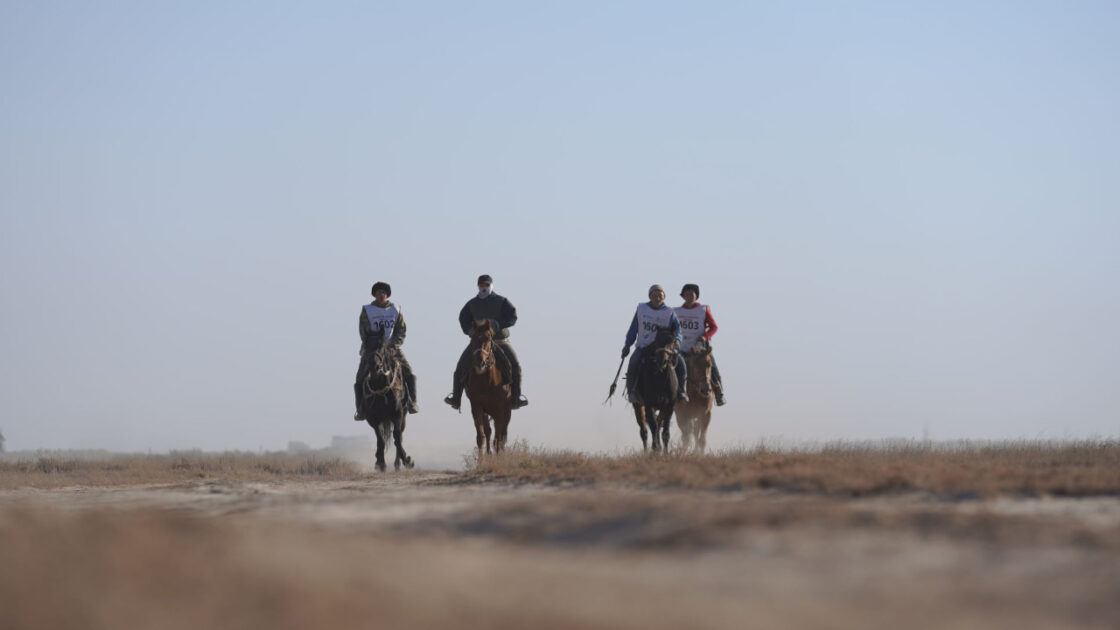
x,y
363,327
675,326
509,314
399,332
710,327
465,319
632,334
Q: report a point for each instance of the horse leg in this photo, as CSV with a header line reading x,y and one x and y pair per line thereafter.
x,y
702,437
479,432
380,464
398,436
651,420
638,414
501,430
489,432
664,419
684,420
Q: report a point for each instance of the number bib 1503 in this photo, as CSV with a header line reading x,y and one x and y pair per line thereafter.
x,y
692,324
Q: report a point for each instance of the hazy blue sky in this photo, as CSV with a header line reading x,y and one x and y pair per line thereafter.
x,y
904,215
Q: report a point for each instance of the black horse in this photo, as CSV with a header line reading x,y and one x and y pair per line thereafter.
x,y
383,402
657,389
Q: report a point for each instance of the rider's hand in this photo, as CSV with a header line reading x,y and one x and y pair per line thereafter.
x,y
625,351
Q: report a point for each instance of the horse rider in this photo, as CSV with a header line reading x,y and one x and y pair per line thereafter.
x,y
502,315
380,322
698,324
648,318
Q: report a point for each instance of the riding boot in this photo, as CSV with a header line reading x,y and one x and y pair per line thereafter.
x,y
717,383
410,389
458,381
682,379
455,398
516,400
632,376
358,402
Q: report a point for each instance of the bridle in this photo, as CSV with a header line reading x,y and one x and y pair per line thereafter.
x,y
377,366
484,352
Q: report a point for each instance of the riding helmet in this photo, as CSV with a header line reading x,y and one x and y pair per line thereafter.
x,y
485,278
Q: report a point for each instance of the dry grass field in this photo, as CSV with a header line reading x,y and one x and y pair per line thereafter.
x,y
1023,535
986,470
58,470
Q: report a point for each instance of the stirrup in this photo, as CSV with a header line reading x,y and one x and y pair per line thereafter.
x,y
720,401
450,400
517,403
358,417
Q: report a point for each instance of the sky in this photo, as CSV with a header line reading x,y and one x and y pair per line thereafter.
x,y
904,216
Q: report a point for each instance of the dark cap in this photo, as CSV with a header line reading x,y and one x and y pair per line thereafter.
x,y
695,288
485,278
384,286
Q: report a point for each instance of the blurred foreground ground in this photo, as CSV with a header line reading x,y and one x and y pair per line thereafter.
x,y
514,543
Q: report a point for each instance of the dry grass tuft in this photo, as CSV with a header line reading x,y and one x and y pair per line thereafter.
x,y
59,471
1019,468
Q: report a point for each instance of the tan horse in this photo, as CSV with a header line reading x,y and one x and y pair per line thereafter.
x,y
694,416
487,390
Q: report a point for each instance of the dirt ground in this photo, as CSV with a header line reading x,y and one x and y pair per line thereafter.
x,y
436,549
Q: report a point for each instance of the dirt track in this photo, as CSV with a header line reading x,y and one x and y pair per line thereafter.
x,y
424,548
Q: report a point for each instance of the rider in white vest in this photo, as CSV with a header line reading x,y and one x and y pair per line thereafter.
x,y
381,322
648,318
698,326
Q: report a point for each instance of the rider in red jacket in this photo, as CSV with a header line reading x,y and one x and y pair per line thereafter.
x,y
698,326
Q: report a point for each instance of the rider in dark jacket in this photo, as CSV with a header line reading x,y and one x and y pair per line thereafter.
x,y
502,315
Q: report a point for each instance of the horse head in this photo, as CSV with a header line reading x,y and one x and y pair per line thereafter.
x,y
661,351
700,366
381,361
482,345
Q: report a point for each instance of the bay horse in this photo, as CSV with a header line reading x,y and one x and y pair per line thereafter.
x,y
383,403
694,416
487,389
656,389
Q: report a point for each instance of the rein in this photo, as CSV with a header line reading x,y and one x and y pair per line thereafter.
x,y
383,392
487,356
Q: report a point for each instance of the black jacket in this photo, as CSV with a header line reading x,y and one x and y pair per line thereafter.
x,y
495,307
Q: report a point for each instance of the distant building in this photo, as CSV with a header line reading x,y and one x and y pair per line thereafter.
x,y
298,447
1,441
350,442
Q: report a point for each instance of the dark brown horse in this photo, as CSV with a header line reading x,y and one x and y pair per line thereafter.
x,y
487,389
656,389
694,416
383,403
